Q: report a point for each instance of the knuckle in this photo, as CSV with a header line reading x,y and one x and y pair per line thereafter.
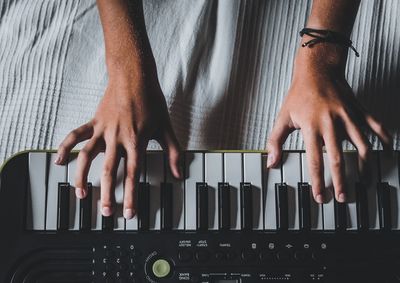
x,y
107,172
336,161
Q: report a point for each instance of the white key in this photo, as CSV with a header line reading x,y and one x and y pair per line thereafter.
x,y
194,173
94,177
351,178
328,207
178,201
316,210
252,163
233,176
57,174
371,186
132,224
36,209
273,176
389,163
74,212
119,220
155,176
291,172
213,175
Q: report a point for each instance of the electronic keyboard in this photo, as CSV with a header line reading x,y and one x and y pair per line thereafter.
x,y
229,220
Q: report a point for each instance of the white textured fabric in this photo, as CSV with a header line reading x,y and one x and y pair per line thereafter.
x,y
224,67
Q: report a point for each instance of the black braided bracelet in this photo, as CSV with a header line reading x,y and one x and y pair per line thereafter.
x,y
321,35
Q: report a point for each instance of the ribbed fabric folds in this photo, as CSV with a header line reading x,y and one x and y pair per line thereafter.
x,y
224,66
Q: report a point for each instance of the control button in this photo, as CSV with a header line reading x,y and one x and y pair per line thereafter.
x,y
161,268
283,256
230,255
109,267
185,255
220,255
302,255
122,266
249,255
122,253
266,256
202,255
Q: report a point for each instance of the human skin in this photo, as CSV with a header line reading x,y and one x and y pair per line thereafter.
x,y
132,111
322,105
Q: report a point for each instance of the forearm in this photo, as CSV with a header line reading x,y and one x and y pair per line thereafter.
x,y
335,15
126,42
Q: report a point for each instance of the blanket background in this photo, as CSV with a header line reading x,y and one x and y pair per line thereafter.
x,y
224,66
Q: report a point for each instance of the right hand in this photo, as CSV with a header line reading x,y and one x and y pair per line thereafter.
x,y
132,111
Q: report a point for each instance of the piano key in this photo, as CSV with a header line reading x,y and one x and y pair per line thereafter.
x,y
144,206
107,223
233,176
94,177
273,176
155,173
305,206
224,206
202,206
167,203
63,206
329,205
351,179
36,207
385,213
119,220
178,198
340,216
213,175
370,180
282,215
316,210
252,173
246,206
85,206
133,223
57,174
194,173
389,168
362,207
74,207
291,172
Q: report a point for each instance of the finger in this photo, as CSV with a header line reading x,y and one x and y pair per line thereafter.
x,y
279,134
379,130
315,163
76,136
108,178
131,181
171,145
85,158
336,163
360,141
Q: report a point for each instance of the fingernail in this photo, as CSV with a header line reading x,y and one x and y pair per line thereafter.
x,y
79,193
319,198
58,160
106,211
270,160
342,197
128,213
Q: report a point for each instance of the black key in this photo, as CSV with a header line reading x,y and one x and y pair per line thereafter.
x,y
85,213
224,206
246,206
362,207
143,205
304,206
63,206
340,216
166,206
385,217
281,198
107,223
202,206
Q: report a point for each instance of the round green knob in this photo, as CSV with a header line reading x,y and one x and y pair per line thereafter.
x,y
161,268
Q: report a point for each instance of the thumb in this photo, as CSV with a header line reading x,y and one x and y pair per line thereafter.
x,y
279,134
